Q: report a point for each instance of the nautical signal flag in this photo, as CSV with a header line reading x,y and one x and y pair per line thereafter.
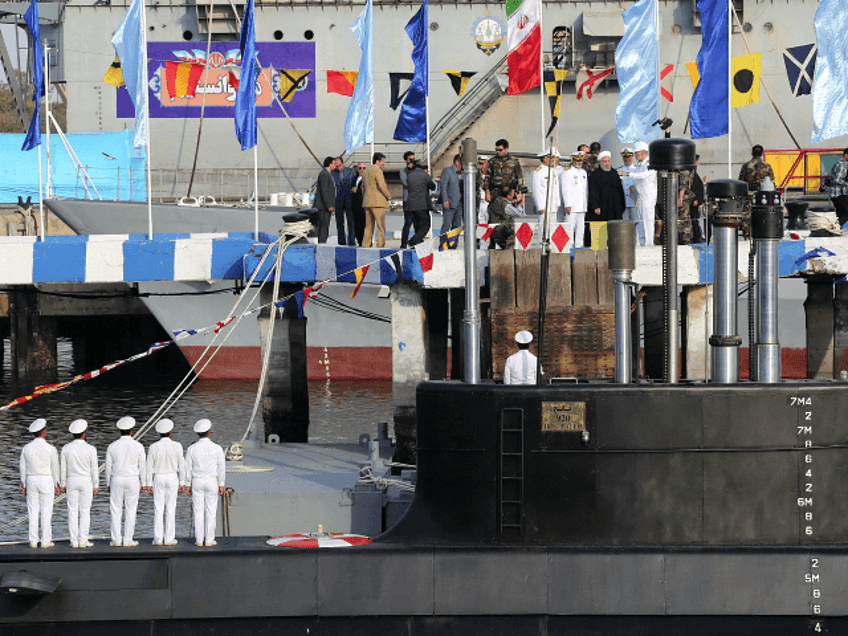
x,y
245,115
292,80
359,123
33,136
181,78
553,89
665,82
524,38
586,79
341,82
394,86
637,61
450,239
114,75
800,68
745,78
412,121
459,80
359,274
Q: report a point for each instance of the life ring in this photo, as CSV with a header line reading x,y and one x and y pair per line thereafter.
x,y
319,540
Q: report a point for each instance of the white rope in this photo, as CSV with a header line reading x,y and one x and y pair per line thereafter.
x,y
366,476
824,221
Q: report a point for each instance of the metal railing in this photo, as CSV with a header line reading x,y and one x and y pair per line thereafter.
x,y
804,170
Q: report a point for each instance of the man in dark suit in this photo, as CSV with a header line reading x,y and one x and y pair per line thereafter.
x,y
325,199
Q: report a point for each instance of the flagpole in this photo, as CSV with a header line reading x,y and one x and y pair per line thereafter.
x,y
729,90
657,31
47,148
144,90
542,77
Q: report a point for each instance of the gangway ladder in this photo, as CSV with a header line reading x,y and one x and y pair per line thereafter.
x,y
512,471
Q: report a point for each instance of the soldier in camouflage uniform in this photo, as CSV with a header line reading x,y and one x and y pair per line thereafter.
x,y
753,173
502,170
503,234
684,207
590,161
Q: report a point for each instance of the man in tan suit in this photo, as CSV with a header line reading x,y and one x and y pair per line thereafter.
x,y
375,200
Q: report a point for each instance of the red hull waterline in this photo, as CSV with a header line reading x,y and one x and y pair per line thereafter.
x,y
322,363
375,363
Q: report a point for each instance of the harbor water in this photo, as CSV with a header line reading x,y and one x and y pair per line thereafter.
x,y
339,413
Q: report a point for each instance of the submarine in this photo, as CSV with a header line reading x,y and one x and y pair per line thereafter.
x,y
627,507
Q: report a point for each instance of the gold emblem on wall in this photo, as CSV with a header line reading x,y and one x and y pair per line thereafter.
x,y
568,417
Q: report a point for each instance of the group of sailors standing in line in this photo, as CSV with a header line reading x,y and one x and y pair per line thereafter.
x,y
163,472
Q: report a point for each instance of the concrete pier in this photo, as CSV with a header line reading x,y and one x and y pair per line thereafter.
x,y
285,395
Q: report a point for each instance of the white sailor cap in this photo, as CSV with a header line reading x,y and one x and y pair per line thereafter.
x,y
201,426
524,337
126,423
164,426
640,145
550,151
37,425
78,426
605,153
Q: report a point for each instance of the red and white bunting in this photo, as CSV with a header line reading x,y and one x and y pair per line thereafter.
x,y
322,540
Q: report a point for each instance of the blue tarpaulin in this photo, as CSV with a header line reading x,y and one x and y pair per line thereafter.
x,y
115,167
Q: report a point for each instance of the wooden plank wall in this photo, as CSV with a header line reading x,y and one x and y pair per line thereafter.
x,y
580,319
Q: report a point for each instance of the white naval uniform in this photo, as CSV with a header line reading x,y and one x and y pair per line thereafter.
x,y
646,200
166,471
629,197
79,477
545,198
40,477
575,194
520,368
206,471
126,473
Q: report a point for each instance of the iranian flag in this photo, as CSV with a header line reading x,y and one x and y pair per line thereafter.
x,y
524,37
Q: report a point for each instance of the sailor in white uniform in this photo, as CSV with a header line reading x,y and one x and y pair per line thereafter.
x,y
126,478
546,196
166,471
575,199
80,479
645,181
40,479
206,477
629,186
520,367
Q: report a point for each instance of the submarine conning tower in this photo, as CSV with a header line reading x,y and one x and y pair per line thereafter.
x,y
696,465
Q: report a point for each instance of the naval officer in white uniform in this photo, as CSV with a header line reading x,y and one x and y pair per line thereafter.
x,y
166,471
126,477
546,196
520,367
40,479
206,474
80,479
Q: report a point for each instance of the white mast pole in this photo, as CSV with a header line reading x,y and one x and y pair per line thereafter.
x,y
47,125
147,121
541,77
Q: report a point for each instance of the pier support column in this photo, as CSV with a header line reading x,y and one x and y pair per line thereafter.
x,y
818,308
698,317
410,344
285,396
32,337
840,329
654,326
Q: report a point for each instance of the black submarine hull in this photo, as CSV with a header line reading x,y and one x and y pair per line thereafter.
x,y
576,509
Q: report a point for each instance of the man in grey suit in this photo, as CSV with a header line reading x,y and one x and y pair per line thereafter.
x,y
451,198
325,199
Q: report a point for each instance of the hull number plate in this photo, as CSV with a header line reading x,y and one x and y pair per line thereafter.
x,y
563,417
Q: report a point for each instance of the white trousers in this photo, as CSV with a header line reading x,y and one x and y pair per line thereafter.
x,y
40,491
79,491
123,497
644,225
576,224
204,499
165,486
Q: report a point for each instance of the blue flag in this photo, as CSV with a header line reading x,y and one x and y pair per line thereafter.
x,y
33,136
130,49
830,102
709,109
412,122
246,94
359,125
637,65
